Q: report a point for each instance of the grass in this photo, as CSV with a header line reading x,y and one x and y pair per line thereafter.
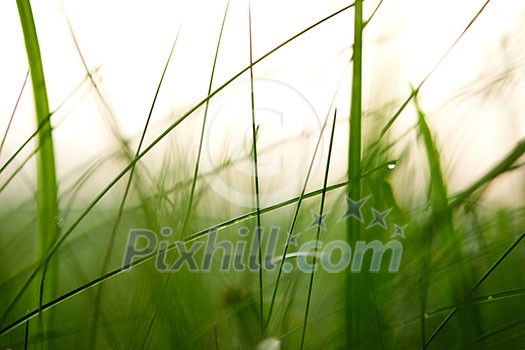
x,y
258,227
354,282
47,201
459,284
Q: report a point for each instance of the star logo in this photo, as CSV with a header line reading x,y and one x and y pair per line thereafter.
x,y
292,239
379,218
353,209
318,220
399,231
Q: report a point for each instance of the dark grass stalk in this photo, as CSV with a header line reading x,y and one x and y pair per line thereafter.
x,y
353,282
109,252
47,201
189,208
475,287
26,335
147,149
13,113
318,233
258,226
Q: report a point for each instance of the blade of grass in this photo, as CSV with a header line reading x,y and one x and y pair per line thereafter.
x,y
47,201
13,113
475,287
354,282
423,82
442,216
258,226
109,251
318,233
298,207
189,208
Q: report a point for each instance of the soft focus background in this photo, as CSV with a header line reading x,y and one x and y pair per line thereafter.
x,y
472,103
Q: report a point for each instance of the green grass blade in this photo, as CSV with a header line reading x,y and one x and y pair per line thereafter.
x,y
441,215
187,216
353,282
109,252
256,175
189,208
301,197
321,211
438,189
47,200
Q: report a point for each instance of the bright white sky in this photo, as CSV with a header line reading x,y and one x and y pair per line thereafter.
x,y
130,41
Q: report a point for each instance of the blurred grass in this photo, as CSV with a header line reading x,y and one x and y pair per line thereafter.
x,y
460,284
